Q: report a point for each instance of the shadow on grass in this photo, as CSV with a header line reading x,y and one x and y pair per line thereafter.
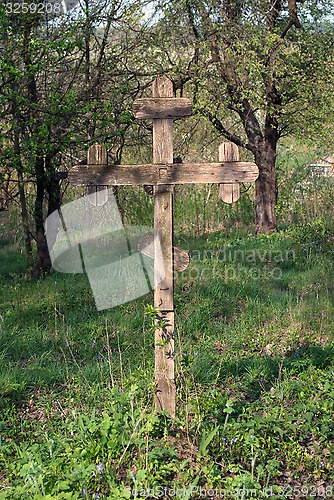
x,y
12,262
254,375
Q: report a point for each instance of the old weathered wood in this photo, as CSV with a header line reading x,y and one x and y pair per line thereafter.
x,y
165,395
229,192
166,173
163,216
160,107
181,259
163,174
97,155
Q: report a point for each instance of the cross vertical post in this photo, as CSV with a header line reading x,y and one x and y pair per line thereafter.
x,y
163,227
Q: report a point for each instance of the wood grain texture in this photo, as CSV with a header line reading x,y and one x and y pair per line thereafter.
x,y
165,396
161,107
165,173
229,192
97,155
163,225
162,87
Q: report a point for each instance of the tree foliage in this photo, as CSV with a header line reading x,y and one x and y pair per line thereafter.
x,y
66,82
257,71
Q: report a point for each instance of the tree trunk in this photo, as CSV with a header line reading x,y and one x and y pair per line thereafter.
x,y
54,199
25,221
52,186
43,261
265,217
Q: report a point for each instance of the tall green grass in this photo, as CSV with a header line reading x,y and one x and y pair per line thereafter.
x,y
254,371
254,354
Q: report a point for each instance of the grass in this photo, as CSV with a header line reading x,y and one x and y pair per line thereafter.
x,y
254,359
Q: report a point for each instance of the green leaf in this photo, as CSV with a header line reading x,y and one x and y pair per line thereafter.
x,y
205,441
308,416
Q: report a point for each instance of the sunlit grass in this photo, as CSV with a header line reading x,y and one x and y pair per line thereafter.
x,y
254,360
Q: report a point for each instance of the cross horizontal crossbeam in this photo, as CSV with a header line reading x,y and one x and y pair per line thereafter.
x,y
169,173
161,107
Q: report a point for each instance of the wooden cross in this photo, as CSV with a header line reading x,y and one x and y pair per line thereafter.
x,y
163,174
